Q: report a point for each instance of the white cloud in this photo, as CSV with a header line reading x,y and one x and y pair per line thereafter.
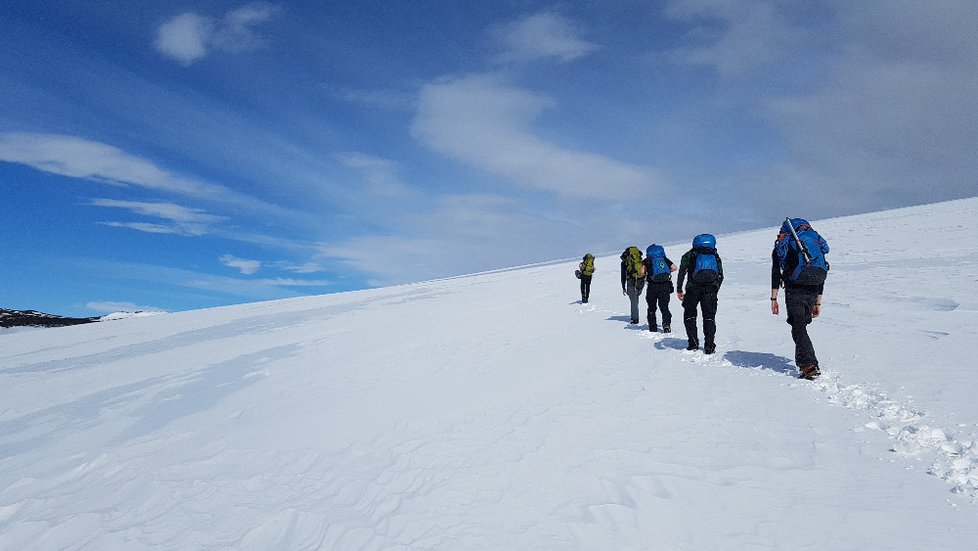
x,y
471,233
244,265
380,176
80,158
737,38
183,220
189,37
304,268
545,35
91,160
185,37
486,123
289,282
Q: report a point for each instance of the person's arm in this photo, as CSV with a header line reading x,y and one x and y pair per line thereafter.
x,y
719,272
683,268
672,267
623,277
817,309
775,281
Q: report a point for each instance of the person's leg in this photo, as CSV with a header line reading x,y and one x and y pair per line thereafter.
x,y
799,304
709,306
689,318
650,303
664,294
585,288
634,293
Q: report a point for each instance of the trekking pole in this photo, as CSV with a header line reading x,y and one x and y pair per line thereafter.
x,y
801,246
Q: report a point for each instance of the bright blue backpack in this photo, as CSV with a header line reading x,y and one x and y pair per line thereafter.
x,y
660,271
812,267
706,270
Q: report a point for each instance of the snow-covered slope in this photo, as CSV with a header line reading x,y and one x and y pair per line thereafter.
x,y
497,412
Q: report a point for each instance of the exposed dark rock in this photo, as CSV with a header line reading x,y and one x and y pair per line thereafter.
x,y
33,318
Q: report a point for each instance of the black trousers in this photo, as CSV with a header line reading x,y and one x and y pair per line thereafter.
x,y
585,287
704,296
799,304
658,294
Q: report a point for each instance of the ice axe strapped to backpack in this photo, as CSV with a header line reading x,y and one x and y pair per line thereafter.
x,y
798,237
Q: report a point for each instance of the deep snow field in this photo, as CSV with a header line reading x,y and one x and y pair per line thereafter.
x,y
496,411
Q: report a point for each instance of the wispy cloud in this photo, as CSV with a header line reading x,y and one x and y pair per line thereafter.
x,y
182,220
540,36
482,121
304,268
380,176
92,160
245,266
80,158
737,38
289,282
189,37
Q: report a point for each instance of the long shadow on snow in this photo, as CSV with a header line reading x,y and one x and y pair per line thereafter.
x,y
671,344
761,360
632,327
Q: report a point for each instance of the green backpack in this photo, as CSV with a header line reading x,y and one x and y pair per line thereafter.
x,y
634,268
588,264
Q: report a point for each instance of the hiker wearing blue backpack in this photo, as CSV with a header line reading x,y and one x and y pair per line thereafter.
x,y
658,277
798,262
632,278
702,264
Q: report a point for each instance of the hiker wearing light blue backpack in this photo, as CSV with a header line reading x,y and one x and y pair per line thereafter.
x,y
658,279
798,262
705,270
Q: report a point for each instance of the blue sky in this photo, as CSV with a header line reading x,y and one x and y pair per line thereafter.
x,y
179,155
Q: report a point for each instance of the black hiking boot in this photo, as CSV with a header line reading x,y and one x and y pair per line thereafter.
x,y
693,345
709,348
634,322
810,372
653,328
666,328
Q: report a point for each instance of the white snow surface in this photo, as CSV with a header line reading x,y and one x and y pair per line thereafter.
x,y
496,411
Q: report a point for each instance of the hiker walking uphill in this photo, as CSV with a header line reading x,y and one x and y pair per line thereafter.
x,y
658,277
798,262
702,264
632,278
584,272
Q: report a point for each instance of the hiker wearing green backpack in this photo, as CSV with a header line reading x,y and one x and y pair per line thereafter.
x,y
658,276
584,272
705,270
632,278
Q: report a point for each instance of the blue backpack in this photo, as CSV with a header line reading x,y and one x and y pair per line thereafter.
x,y
660,271
706,269
812,267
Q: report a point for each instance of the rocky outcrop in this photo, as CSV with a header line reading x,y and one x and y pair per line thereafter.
x,y
33,318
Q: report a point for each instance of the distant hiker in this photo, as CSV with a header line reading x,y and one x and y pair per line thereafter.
x,y
658,275
632,278
705,270
798,262
584,272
